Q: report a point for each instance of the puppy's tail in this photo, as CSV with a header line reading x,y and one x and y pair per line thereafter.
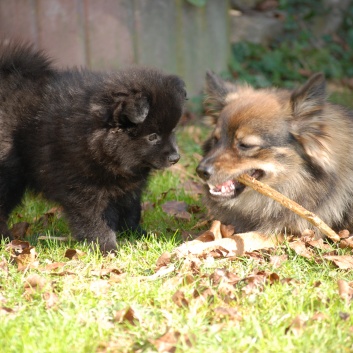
x,y
22,59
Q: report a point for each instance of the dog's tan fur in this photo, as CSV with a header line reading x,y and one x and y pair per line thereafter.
x,y
298,142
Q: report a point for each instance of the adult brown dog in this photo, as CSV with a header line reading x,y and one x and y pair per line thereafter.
x,y
294,141
86,140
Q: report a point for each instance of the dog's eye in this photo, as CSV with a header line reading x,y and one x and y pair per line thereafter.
x,y
152,137
246,147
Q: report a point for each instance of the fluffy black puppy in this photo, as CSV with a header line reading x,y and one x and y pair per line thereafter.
x,y
86,140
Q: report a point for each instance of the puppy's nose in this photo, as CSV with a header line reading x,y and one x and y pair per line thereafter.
x,y
173,158
204,171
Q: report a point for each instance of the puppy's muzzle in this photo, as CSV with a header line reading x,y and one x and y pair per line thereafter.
x,y
173,158
204,170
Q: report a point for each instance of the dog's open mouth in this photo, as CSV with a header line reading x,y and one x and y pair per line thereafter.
x,y
232,188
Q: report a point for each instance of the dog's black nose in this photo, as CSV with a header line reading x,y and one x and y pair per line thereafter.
x,y
173,158
204,171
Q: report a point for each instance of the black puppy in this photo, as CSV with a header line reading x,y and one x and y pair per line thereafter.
x,y
86,140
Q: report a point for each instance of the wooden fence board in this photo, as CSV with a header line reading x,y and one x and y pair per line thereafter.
x,y
110,31
62,30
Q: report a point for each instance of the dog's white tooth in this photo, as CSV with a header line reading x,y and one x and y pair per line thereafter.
x,y
232,186
223,188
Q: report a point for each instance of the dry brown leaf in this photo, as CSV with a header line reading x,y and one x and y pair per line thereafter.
x,y
300,248
345,290
16,246
319,317
206,236
126,315
179,299
19,230
343,234
231,314
105,272
297,325
346,243
33,284
319,244
162,272
192,187
51,300
167,343
54,266
343,262
163,260
74,254
177,209
277,260
114,278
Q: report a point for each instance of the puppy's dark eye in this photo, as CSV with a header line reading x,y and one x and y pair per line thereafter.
x,y
152,137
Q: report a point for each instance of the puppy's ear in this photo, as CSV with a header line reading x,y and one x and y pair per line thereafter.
x,y
130,108
217,90
309,126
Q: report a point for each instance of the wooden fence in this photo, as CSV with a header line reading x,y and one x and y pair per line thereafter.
x,y
173,35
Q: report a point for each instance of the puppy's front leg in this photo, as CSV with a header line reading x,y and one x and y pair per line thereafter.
x,y
93,229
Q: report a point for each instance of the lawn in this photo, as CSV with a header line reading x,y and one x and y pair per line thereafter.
x,y
54,300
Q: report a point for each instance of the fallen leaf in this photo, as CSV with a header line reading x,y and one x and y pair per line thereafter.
x,y
344,316
54,266
297,325
74,254
300,249
319,317
147,206
319,244
277,260
33,284
19,230
179,299
16,246
51,299
163,260
231,314
162,272
126,315
169,341
345,290
346,243
343,234
177,209
105,272
343,262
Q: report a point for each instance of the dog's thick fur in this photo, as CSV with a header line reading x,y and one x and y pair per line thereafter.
x,y
294,141
86,140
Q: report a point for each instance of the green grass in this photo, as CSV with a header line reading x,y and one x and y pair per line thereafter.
x,y
82,318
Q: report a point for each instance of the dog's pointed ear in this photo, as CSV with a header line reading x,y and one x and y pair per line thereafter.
x,y
309,98
308,125
217,91
130,108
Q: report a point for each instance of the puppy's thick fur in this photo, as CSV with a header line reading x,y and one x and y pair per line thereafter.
x,y
86,140
294,141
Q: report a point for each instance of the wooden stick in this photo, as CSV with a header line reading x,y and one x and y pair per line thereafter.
x,y
288,203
